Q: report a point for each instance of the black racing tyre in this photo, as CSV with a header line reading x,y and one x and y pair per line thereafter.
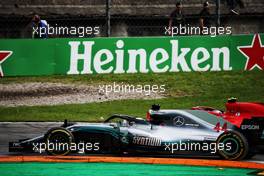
x,y
235,146
58,141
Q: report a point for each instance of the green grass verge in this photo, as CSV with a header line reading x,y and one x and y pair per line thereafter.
x,y
183,90
116,169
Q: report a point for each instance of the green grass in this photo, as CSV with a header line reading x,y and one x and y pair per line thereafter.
x,y
116,169
183,90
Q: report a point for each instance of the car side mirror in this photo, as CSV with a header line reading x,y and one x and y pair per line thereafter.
x,y
131,123
114,125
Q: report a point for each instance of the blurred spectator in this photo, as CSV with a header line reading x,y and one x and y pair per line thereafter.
x,y
232,4
39,27
205,16
177,17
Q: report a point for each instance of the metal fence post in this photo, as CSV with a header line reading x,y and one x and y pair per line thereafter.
x,y
108,18
218,13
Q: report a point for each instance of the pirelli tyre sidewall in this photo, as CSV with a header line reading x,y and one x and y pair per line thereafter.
x,y
63,135
239,145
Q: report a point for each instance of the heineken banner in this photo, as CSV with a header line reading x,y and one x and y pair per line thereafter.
x,y
22,57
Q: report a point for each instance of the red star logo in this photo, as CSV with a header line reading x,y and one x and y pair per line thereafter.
x,y
3,56
254,54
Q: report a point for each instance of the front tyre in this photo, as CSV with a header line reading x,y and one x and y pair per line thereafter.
x,y
58,141
234,146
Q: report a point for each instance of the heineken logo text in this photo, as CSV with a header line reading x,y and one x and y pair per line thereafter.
x,y
140,60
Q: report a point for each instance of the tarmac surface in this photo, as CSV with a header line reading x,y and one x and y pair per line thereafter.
x,y
14,131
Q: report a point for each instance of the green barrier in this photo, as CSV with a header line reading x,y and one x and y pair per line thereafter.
x,y
115,169
23,57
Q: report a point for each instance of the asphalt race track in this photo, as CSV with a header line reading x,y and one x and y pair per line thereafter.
x,y
11,132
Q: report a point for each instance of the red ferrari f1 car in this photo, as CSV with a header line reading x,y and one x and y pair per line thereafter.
x,y
248,117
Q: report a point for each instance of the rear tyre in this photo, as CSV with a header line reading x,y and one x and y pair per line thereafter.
x,y
235,146
58,141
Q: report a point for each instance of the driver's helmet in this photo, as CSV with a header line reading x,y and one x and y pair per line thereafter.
x,y
124,123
